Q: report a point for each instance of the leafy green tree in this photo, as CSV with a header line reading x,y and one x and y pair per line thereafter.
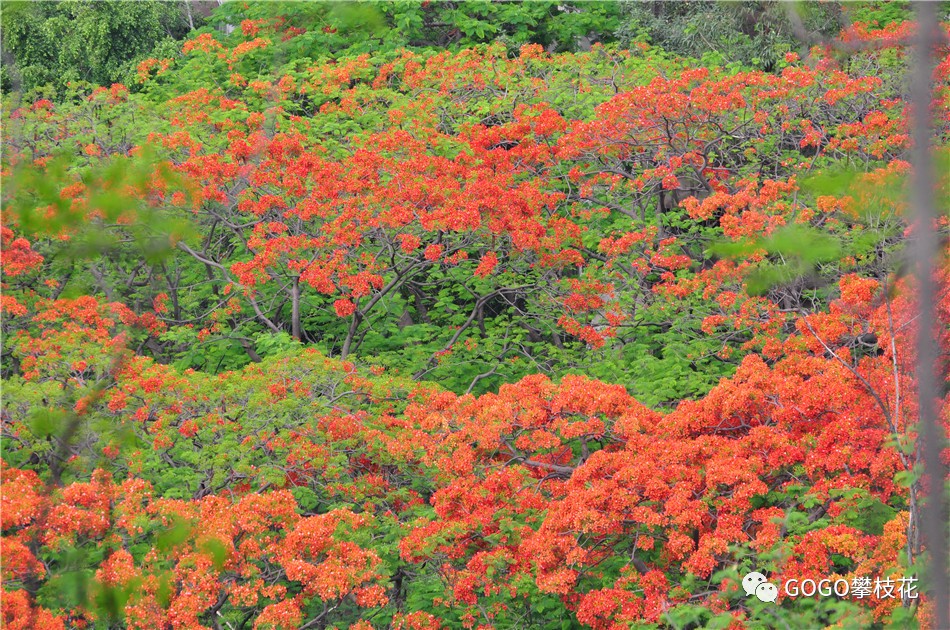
x,y
81,40
333,28
753,33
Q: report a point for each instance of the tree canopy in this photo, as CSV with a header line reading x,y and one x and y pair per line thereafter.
x,y
465,314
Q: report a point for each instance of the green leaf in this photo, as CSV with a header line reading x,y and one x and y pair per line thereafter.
x,y
178,532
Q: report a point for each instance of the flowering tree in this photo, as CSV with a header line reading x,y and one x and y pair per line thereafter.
x,y
439,339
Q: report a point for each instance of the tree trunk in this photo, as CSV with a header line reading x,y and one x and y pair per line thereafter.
x,y
350,335
191,20
295,310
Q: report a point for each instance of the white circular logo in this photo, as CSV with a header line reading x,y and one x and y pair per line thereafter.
x,y
757,584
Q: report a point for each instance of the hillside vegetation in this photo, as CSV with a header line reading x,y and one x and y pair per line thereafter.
x,y
465,315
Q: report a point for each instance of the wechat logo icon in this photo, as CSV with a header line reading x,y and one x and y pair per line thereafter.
x,y
757,584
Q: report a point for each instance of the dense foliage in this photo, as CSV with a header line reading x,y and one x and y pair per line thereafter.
x,y
757,33
82,40
423,315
